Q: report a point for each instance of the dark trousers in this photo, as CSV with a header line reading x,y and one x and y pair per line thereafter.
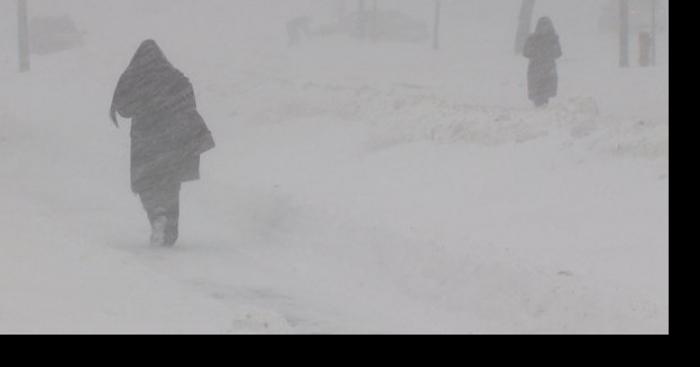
x,y
164,201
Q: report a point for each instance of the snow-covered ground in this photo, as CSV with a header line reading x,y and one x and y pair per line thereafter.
x,y
356,187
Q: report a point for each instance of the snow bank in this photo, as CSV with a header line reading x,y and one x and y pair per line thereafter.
x,y
355,187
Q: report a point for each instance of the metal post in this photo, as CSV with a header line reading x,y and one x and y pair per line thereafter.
x,y
654,9
436,30
375,16
624,33
23,36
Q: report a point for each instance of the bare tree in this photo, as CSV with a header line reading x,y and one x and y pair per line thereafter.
x,y
23,35
527,10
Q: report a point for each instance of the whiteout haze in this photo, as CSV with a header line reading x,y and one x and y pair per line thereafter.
x,y
366,179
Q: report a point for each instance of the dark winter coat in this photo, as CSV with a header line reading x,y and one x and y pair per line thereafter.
x,y
543,49
168,135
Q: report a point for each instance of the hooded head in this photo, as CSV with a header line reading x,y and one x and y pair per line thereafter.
x,y
545,26
148,79
149,57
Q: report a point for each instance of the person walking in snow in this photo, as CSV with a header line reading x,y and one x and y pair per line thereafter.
x,y
168,136
543,49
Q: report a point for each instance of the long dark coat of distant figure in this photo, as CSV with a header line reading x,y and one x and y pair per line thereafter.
x,y
543,49
168,135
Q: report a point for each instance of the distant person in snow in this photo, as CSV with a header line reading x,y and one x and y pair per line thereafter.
x,y
168,136
543,49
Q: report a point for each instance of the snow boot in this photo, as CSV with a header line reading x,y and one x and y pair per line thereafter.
x,y
158,231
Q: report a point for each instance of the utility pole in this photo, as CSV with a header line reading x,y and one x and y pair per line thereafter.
x,y
436,29
527,10
23,36
624,33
